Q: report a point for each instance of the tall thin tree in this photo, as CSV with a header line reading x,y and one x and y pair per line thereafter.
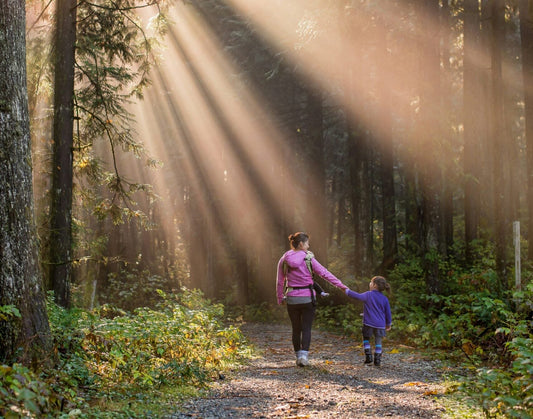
x,y
526,35
60,246
428,134
472,130
390,242
498,135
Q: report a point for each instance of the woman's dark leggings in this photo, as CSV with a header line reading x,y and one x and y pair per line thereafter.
x,y
301,316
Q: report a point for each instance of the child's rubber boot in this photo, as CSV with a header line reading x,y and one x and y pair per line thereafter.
x,y
377,360
368,356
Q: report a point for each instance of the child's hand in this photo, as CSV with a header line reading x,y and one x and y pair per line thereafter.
x,y
388,328
324,294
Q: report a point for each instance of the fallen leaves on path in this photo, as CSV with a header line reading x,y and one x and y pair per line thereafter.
x,y
336,385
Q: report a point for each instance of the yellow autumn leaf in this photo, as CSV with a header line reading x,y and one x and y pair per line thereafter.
x,y
328,362
395,351
413,384
430,393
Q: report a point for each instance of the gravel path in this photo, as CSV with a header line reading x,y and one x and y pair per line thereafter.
x,y
336,384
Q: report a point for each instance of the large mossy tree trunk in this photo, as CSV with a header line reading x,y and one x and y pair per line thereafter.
x,y
28,336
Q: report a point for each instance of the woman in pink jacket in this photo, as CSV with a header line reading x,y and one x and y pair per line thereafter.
x,y
295,287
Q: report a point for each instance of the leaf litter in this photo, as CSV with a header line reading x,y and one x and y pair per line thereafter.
x,y
336,384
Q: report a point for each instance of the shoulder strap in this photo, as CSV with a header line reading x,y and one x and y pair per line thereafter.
x,y
308,256
285,267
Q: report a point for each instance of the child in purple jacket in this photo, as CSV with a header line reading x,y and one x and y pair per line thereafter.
x,y
376,317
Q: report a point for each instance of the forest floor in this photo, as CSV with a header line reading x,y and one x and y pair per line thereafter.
x,y
336,385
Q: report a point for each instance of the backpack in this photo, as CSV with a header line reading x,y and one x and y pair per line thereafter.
x,y
308,257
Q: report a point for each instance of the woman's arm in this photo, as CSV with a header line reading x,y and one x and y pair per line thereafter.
x,y
327,275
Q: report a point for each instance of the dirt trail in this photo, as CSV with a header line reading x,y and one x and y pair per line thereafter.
x,y
335,385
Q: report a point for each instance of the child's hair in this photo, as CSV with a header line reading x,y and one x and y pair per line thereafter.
x,y
381,283
296,238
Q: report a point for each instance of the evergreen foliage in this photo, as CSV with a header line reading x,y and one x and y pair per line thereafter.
x,y
467,308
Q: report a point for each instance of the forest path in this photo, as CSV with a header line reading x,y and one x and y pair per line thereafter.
x,y
336,384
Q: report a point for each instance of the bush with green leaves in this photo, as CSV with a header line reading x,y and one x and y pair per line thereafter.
x,y
346,318
507,390
24,394
491,333
130,288
181,341
109,359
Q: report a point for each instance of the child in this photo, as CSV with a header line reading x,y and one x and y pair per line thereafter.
x,y
376,316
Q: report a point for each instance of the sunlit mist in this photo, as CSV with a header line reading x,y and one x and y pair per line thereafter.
x,y
221,145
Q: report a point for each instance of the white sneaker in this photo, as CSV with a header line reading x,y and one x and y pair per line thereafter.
x,y
303,359
298,357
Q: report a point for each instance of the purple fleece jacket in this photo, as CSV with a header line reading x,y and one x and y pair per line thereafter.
x,y
376,308
299,276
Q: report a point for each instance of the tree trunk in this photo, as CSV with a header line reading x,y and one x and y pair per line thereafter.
x,y
61,192
446,104
358,152
20,276
526,34
501,222
390,243
428,134
316,209
472,91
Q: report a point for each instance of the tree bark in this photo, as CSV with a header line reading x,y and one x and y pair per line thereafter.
x,y
446,104
501,222
390,243
526,35
428,134
472,91
20,275
316,209
61,192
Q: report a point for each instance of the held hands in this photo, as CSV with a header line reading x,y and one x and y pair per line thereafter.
x,y
324,294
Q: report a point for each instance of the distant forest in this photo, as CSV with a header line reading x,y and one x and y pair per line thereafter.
x,y
389,131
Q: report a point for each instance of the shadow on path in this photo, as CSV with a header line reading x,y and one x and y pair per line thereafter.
x,y
335,385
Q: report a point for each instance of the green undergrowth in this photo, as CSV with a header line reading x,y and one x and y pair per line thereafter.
x,y
485,339
112,363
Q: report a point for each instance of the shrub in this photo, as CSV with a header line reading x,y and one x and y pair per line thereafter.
x,y
112,356
507,390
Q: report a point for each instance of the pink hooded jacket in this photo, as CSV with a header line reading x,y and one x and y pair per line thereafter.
x,y
299,276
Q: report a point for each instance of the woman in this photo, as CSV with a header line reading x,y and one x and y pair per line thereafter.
x,y
295,287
